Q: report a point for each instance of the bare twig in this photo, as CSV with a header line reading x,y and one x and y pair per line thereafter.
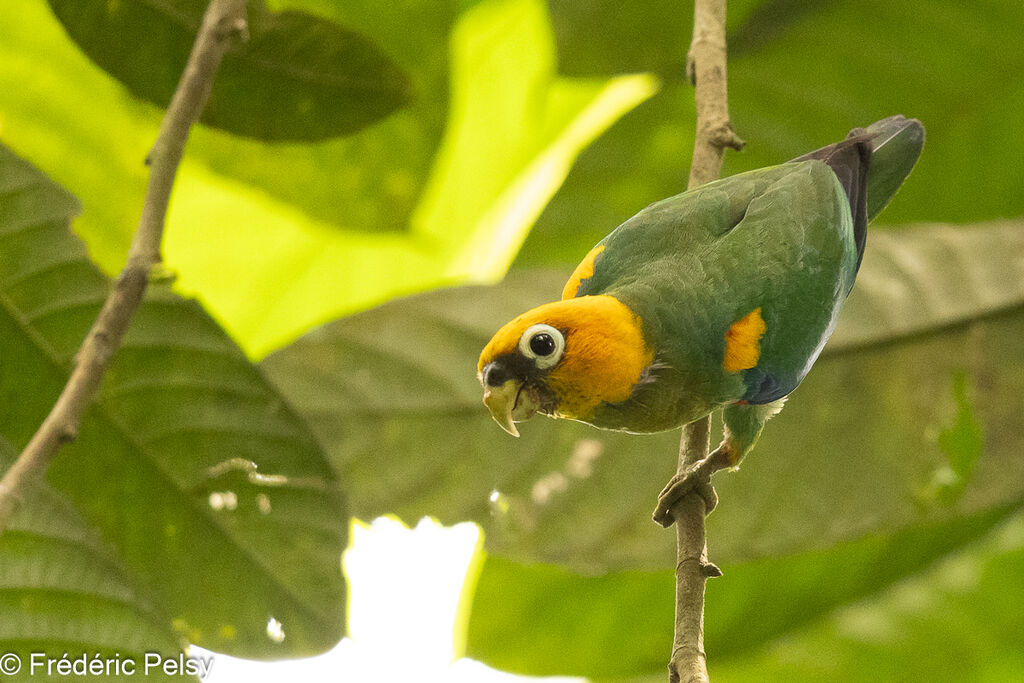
x,y
706,69
223,21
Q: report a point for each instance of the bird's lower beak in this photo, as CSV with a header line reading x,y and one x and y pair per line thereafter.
x,y
501,401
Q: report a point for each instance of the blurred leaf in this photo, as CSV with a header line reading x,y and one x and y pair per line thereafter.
x,y
959,622
602,37
871,397
58,108
297,77
188,459
543,620
400,380
64,591
864,70
306,267
932,276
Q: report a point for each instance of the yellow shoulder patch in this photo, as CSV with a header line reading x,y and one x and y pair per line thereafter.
x,y
584,270
743,342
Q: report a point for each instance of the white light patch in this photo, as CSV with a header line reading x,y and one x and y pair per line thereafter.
x,y
391,567
263,503
547,486
223,500
275,631
584,454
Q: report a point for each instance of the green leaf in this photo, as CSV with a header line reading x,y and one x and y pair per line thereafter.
x,y
863,70
188,463
543,620
297,77
602,37
62,590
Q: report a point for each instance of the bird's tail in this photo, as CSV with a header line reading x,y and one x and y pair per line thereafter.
x,y
871,164
896,143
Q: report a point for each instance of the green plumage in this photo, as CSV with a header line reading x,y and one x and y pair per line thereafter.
x,y
785,239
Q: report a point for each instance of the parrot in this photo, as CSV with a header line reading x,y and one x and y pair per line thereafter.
x,y
721,297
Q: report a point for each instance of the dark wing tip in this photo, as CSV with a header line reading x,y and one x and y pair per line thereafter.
x,y
871,164
896,144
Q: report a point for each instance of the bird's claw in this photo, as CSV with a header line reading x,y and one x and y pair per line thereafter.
x,y
680,485
697,479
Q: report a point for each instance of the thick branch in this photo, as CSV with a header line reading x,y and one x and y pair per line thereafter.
x,y
224,20
706,66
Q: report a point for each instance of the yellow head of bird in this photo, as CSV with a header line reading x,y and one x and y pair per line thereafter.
x,y
563,359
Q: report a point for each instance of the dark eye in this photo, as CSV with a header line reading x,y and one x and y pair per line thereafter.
x,y
542,344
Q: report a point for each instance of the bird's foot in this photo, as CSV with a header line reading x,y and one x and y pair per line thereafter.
x,y
696,479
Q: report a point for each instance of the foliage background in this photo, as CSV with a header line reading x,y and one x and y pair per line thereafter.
x,y
875,534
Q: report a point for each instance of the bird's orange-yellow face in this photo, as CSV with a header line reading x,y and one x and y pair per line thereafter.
x,y
563,359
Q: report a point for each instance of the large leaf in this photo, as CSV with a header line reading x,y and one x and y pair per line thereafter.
x,y
63,591
300,234
863,69
399,380
189,463
296,77
543,620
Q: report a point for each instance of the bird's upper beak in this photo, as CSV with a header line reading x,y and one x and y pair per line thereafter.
x,y
501,401
510,401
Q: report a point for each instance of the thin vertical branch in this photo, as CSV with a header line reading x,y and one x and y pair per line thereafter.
x,y
706,67
223,21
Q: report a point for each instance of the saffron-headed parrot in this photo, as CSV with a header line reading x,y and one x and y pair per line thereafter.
x,y
719,297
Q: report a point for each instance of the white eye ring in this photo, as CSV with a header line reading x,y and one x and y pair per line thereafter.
x,y
555,347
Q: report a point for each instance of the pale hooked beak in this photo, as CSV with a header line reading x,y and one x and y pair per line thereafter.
x,y
501,401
